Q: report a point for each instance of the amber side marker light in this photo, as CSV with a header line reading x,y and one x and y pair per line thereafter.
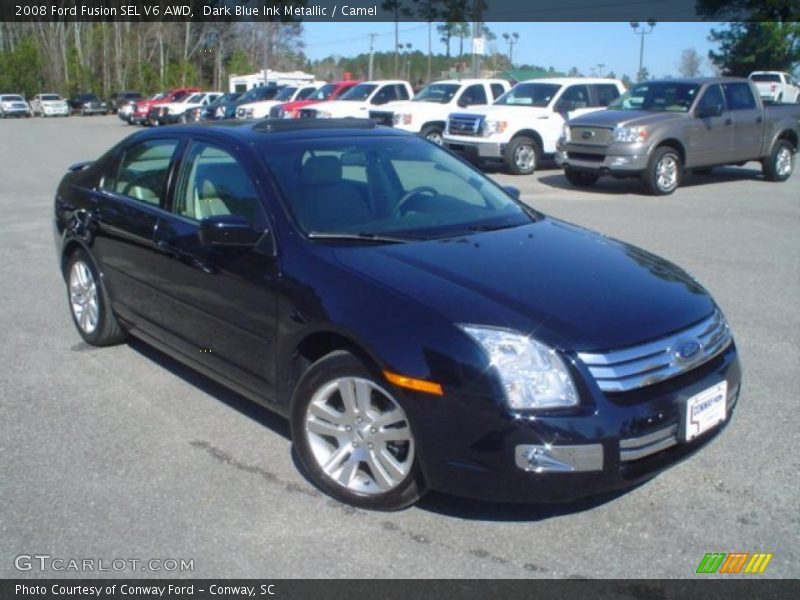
x,y
418,385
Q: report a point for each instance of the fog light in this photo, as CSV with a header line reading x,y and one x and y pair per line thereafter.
x,y
546,458
621,161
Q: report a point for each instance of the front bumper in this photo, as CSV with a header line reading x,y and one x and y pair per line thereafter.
x,y
15,112
55,112
474,150
617,158
617,441
93,110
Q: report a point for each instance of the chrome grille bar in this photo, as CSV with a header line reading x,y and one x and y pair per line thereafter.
x,y
639,366
464,124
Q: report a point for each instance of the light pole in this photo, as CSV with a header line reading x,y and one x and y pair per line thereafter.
x,y
407,47
511,39
642,30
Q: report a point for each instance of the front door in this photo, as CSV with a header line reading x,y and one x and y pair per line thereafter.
x,y
710,139
218,303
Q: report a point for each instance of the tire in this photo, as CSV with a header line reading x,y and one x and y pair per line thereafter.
x,y
779,165
333,427
432,133
581,178
89,303
780,98
663,174
522,155
83,112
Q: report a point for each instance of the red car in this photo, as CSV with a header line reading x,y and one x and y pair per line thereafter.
x,y
329,91
141,109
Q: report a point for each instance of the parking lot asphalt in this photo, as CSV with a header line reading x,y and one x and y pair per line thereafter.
x,y
123,453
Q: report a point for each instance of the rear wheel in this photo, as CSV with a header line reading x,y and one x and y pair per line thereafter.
x,y
580,178
522,155
353,437
663,174
89,304
779,165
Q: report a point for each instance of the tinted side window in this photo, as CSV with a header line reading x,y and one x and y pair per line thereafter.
x,y
143,170
606,93
386,94
711,99
474,94
401,93
497,90
213,183
739,96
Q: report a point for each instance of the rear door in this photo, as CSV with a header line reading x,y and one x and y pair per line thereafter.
x,y
748,120
129,200
709,140
218,304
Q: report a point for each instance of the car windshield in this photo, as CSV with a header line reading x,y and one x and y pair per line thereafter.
x,y
658,96
772,77
437,92
529,94
368,188
285,93
258,93
230,97
88,98
194,98
50,97
131,95
324,92
158,96
12,99
305,93
359,93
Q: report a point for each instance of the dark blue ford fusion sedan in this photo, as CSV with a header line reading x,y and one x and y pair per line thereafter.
x,y
420,326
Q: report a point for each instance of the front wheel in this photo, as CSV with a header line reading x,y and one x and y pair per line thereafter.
x,y
522,155
433,133
89,304
353,437
663,174
779,165
580,178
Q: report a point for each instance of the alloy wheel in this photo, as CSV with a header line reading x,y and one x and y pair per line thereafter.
x,y
667,172
784,162
525,158
83,297
359,436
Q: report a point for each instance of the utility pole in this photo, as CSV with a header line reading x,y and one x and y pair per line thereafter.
x,y
371,52
642,31
511,39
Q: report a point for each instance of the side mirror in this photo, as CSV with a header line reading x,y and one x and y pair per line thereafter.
x,y
512,191
704,112
228,230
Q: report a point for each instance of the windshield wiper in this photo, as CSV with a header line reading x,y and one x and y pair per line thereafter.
x,y
496,227
360,237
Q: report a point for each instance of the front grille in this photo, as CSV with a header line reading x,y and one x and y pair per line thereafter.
x,y
460,124
640,366
308,113
591,136
636,448
382,117
586,156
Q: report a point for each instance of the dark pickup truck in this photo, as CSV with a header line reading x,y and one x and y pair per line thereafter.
x,y
658,130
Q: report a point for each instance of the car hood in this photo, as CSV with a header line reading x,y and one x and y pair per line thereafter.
x,y
572,288
503,112
345,108
298,104
420,107
627,118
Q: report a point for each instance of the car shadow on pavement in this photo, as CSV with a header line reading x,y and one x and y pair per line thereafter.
x,y
273,421
634,186
479,510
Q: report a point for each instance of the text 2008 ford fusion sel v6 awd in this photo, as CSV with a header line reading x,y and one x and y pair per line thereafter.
x,y
421,327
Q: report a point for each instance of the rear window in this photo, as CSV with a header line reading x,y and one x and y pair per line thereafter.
x,y
50,97
766,77
11,99
529,94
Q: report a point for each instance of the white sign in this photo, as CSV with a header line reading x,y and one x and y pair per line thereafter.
x,y
478,45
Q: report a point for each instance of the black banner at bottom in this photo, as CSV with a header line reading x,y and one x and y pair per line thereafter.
x,y
399,589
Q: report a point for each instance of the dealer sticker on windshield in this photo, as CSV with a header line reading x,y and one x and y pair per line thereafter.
x,y
705,410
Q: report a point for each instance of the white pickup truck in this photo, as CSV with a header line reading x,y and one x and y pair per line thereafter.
x,y
359,99
290,93
776,86
426,113
525,123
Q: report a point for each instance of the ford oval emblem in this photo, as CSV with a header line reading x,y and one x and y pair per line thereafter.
x,y
687,350
587,134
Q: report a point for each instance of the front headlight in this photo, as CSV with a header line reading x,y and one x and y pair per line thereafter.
x,y
565,132
533,374
492,127
630,135
402,118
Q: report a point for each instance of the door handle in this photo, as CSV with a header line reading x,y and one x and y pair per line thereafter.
x,y
759,119
728,121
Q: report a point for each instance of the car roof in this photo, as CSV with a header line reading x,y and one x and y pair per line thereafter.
x,y
571,80
697,80
466,81
278,129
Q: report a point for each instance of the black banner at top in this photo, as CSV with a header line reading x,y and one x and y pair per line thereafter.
x,y
399,10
